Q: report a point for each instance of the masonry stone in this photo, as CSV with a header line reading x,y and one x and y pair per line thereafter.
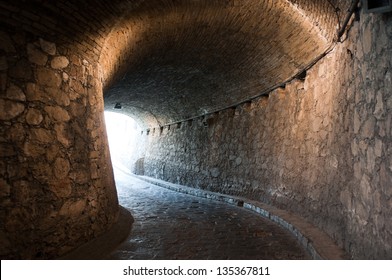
x,y
41,135
48,47
59,62
62,135
379,110
368,128
17,133
224,110
49,78
367,39
378,147
35,120
65,77
35,55
61,188
10,109
353,120
57,113
34,117
15,93
56,95
73,208
41,172
61,168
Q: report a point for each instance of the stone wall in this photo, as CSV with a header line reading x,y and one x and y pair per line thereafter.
x,y
320,147
56,181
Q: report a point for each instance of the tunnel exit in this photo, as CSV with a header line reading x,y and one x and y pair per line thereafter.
x,y
121,131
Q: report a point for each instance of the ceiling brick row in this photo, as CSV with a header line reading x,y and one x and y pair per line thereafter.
x,y
166,61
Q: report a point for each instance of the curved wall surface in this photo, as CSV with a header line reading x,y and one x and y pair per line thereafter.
x,y
319,147
192,74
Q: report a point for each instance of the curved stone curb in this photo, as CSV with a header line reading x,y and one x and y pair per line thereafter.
x,y
100,247
317,243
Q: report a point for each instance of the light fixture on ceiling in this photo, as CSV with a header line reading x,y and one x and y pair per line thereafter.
x,y
377,6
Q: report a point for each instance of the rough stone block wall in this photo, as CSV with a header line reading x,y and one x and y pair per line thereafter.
x,y
321,147
56,181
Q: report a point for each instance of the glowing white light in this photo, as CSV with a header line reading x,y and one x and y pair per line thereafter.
x,y
121,131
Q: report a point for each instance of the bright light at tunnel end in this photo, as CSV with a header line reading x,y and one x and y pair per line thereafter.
x,y
121,131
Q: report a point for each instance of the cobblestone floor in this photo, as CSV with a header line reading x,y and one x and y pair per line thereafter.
x,y
170,225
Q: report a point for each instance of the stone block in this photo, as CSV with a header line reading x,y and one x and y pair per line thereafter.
x,y
61,168
367,39
48,47
59,62
378,147
56,95
354,148
33,150
62,135
365,189
368,128
15,93
357,121
65,77
61,188
94,170
17,133
80,177
35,55
73,208
57,113
32,92
41,135
379,110
371,160
49,78
52,152
34,117
42,172
10,109
385,176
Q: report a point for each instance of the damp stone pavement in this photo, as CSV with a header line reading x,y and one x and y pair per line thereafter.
x,y
174,226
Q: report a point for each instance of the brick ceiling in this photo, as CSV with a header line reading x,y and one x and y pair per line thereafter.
x,y
190,58
166,61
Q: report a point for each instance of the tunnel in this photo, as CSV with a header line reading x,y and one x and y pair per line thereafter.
x,y
286,103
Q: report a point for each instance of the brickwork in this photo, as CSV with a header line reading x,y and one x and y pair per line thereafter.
x,y
204,56
319,147
211,47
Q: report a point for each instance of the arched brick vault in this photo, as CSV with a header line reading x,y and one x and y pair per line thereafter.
x,y
167,61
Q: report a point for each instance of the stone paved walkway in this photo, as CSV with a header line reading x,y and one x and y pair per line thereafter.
x,y
170,225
